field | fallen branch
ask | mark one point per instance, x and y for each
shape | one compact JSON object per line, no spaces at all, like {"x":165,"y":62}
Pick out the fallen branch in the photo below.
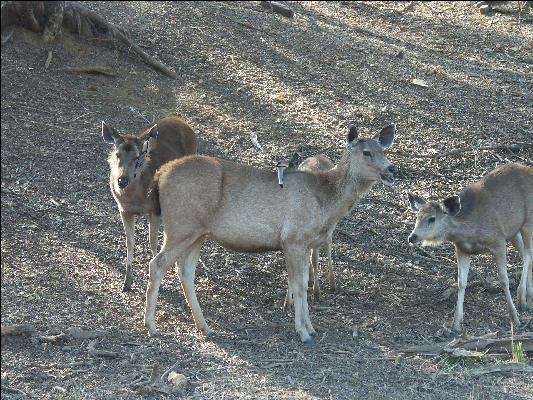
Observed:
{"x":487,"y":343}
{"x":100,"y":353}
{"x":14,"y":330}
{"x":514,"y":367}
{"x":90,"y":70}
{"x":515,"y":146}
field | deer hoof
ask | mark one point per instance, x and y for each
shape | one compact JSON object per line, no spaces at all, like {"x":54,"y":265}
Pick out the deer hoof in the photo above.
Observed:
{"x":455,"y":332}
{"x":155,"y":334}
{"x":313,"y":333}
{"x":309,"y":341}
{"x":523,"y":308}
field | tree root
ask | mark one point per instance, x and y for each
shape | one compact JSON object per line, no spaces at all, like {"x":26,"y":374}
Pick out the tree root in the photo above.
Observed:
{"x":51,"y":18}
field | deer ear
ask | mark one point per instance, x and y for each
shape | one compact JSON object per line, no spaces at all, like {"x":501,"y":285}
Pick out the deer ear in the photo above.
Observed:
{"x":352,"y":134}
{"x":153,"y":131}
{"x":452,"y":205}
{"x":415,"y":201}
{"x":110,"y":135}
{"x":386,"y":136}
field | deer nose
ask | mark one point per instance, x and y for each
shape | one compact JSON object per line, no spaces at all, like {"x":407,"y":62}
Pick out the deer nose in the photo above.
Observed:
{"x":412,"y":238}
{"x":392,"y":169}
{"x":123,"y":182}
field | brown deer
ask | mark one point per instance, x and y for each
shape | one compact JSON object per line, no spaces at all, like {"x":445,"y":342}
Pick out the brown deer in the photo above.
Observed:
{"x":133,"y":162}
{"x":484,"y":216}
{"x":243,"y":208}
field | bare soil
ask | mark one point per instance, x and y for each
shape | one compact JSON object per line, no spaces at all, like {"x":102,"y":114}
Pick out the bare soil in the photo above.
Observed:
{"x":297,"y":84}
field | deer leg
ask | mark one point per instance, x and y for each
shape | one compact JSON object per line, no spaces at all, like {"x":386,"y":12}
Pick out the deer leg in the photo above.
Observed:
{"x":155,"y":220}
{"x":525,"y":289}
{"x":159,"y":265}
{"x":186,"y":272}
{"x":305,"y":305}
{"x":288,"y":299}
{"x":331,"y":274}
{"x":298,"y":271}
{"x":128,"y":220}
{"x":313,"y":273}
{"x":463,"y":266}
{"x":500,"y":255}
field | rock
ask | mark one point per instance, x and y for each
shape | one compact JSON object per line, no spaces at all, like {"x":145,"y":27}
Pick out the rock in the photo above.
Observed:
{"x":484,"y":9}
{"x":420,"y":82}
{"x":179,"y":381}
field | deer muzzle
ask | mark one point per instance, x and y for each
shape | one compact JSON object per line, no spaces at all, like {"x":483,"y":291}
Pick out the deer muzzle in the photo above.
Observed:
{"x":387,"y":177}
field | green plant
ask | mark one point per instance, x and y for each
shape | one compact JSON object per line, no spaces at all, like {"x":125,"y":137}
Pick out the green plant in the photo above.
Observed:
{"x":516,"y":348}
{"x":518,"y":353}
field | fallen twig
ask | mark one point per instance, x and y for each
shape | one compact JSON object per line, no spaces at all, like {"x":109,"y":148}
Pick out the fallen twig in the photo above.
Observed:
{"x":48,"y":59}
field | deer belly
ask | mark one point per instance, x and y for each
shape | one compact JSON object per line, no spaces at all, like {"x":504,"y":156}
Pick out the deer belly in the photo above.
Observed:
{"x":245,"y":237}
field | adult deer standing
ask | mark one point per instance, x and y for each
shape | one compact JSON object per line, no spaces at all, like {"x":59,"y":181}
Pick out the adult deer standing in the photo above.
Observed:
{"x":244,"y":209}
{"x":133,"y":162}
{"x":484,"y":216}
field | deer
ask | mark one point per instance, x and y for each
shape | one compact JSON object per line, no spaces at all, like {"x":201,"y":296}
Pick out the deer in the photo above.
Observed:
{"x":133,"y":162}
{"x":243,"y":208}
{"x":482,"y":219}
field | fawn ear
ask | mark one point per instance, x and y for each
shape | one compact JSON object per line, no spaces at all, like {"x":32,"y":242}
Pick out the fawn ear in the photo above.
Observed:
{"x":110,"y":135}
{"x":386,"y":136}
{"x":452,"y":205}
{"x":415,"y":201}
{"x":352,"y":135}
{"x":151,"y":144}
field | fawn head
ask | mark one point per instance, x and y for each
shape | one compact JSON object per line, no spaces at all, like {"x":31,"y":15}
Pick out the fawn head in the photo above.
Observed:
{"x":432,"y":219}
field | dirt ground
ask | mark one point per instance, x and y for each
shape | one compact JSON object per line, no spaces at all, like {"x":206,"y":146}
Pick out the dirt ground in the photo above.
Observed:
{"x":297,"y":83}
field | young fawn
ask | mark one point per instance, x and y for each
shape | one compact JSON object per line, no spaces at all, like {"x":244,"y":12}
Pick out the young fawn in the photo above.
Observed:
{"x":133,"y":162}
{"x":484,"y":216}
{"x":243,"y":208}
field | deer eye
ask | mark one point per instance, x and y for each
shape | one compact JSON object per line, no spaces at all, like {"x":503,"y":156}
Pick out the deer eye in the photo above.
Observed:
{"x":367,"y":153}
{"x":431,"y":220}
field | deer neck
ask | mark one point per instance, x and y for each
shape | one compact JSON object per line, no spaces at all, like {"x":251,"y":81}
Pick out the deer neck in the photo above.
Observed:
{"x":349,"y":184}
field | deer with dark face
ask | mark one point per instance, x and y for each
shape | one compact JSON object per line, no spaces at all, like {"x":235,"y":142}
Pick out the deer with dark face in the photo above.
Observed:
{"x":488,"y":213}
{"x":133,"y":162}
{"x":243,"y":208}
